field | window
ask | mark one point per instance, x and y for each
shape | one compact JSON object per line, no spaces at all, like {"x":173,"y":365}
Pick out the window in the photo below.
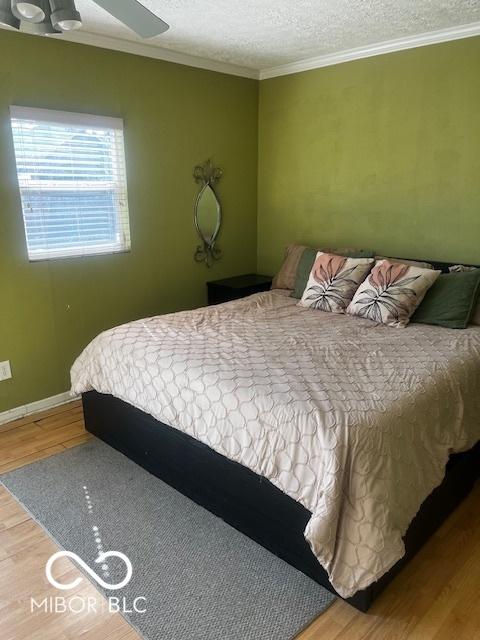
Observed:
{"x":73,"y":184}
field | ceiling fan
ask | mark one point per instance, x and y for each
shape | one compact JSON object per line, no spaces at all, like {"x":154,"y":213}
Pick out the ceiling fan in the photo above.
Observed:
{"x":58,"y":16}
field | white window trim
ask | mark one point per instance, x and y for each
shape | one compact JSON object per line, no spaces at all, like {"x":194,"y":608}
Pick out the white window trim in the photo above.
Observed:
{"x":93,"y":122}
{"x":68,"y":252}
{"x":65,"y":117}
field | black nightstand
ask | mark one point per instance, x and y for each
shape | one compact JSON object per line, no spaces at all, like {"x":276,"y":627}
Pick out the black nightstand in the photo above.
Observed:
{"x":237,"y":287}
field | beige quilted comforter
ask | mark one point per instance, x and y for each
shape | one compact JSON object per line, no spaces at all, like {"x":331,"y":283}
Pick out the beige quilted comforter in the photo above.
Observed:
{"x":353,"y":420}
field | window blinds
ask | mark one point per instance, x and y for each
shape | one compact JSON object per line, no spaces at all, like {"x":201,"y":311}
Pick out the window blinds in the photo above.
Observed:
{"x":73,"y":185}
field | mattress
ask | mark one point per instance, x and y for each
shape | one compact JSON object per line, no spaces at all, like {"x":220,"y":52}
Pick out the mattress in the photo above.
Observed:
{"x":354,"y":420}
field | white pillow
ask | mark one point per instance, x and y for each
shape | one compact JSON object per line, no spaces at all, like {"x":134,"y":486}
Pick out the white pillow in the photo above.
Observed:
{"x":392,"y":292}
{"x":333,"y":280}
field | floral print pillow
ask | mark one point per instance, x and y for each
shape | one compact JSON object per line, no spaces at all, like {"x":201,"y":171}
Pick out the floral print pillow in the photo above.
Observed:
{"x":333,"y":280}
{"x":391,"y":293}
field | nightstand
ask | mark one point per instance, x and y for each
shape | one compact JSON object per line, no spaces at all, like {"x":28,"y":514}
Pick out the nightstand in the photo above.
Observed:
{"x":237,"y":287}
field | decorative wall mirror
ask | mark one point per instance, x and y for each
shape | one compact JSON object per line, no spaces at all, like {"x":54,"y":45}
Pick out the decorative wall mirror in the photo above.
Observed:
{"x":207,"y":212}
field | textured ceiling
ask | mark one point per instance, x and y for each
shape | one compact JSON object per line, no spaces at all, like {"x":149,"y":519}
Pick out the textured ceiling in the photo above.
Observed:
{"x":266,"y":33}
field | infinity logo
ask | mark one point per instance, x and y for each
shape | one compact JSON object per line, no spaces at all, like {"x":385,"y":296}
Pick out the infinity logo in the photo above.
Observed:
{"x":101,"y":558}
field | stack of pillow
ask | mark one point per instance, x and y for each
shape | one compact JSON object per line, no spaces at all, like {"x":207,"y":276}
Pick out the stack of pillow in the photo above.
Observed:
{"x":385,"y":290}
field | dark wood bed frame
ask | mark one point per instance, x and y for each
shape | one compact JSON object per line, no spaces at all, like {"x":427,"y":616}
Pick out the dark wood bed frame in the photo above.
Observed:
{"x":249,"y":502}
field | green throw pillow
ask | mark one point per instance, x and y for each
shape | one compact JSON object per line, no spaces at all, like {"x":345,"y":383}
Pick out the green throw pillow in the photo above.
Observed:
{"x":307,"y":259}
{"x":450,"y":301}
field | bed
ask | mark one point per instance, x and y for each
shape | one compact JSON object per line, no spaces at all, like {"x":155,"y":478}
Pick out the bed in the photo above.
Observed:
{"x":338,"y":444}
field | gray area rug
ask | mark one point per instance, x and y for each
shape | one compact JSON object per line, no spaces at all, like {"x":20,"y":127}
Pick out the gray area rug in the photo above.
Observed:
{"x":201,"y":578}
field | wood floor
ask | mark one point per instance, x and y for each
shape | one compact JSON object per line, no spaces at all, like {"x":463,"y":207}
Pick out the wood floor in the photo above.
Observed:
{"x":436,"y":597}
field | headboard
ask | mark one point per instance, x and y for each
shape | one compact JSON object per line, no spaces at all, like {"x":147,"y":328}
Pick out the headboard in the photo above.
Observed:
{"x":440,"y":266}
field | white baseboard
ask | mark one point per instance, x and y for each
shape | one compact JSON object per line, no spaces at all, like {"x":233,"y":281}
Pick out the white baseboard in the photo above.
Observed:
{"x":34,"y":407}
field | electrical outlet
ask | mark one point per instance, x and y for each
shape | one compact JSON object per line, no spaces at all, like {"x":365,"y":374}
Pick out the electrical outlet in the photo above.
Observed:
{"x":5,"y":371}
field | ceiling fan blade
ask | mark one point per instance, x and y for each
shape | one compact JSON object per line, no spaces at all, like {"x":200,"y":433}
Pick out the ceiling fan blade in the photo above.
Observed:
{"x":136,"y":16}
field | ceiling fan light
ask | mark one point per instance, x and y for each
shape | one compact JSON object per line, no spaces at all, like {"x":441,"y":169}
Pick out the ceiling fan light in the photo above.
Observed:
{"x":7,"y":19}
{"x":65,"y":15}
{"x":69,"y":25}
{"x":43,"y":28}
{"x":30,"y":11}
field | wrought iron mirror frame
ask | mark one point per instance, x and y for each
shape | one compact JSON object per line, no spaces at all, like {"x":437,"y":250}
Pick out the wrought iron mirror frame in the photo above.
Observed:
{"x":207,"y":175}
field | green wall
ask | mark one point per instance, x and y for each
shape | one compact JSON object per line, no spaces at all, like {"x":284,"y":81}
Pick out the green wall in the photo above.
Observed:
{"x":380,"y":153}
{"x":175,"y":117}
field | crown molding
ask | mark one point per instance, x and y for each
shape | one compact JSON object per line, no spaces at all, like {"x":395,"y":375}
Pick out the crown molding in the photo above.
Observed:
{"x":158,"y":53}
{"x":380,"y":48}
